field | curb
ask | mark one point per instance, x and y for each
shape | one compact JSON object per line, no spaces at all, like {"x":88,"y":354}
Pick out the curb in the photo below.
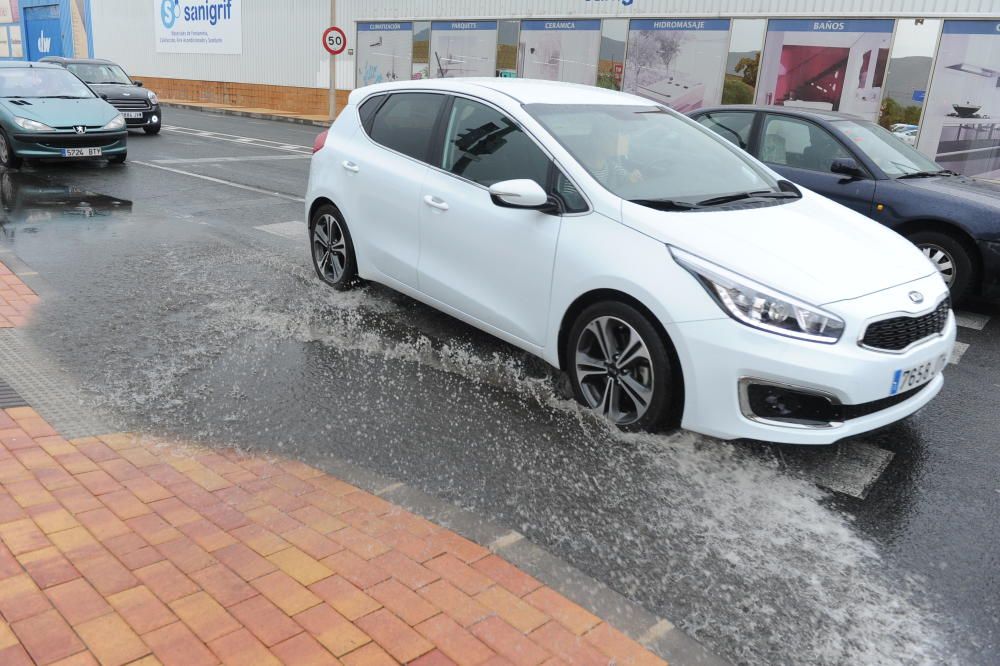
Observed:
{"x":245,"y":114}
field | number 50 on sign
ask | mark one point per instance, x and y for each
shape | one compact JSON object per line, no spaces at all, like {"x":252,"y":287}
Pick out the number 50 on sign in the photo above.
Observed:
{"x":334,"y":40}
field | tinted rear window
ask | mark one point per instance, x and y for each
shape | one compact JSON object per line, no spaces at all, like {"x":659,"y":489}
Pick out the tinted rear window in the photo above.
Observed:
{"x":405,"y":123}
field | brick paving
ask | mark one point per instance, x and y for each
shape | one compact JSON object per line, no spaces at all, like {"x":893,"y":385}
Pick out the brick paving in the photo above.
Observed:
{"x":127,"y":549}
{"x":16,"y":299}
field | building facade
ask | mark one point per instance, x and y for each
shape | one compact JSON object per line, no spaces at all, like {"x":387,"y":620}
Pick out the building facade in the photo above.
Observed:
{"x":928,"y":63}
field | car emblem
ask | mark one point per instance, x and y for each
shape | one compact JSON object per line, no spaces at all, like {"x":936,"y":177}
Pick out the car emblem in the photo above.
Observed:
{"x":916,"y":297}
{"x":79,"y":129}
{"x":127,"y":94}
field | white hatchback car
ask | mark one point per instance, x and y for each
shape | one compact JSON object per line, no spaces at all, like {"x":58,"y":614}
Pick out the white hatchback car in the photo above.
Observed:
{"x":676,"y":279}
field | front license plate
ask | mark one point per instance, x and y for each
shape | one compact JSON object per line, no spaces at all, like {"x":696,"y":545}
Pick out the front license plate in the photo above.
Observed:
{"x":81,"y":152}
{"x":906,"y":379}
{"x":132,"y":115}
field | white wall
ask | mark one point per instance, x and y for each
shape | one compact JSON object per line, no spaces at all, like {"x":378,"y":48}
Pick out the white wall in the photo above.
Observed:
{"x":281,"y":44}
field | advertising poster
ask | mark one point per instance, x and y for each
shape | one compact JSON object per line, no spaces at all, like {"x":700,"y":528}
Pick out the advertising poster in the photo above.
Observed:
{"x":4,"y":42}
{"x":7,"y":11}
{"x":560,"y":50}
{"x":385,"y":52}
{"x":677,"y":62}
{"x":961,"y":124}
{"x":828,"y":64}
{"x":463,"y":48}
{"x":193,"y":26}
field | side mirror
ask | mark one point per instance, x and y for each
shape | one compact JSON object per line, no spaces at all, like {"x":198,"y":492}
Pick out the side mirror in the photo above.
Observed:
{"x":847,"y":167}
{"x":520,"y":193}
{"x":137,"y":84}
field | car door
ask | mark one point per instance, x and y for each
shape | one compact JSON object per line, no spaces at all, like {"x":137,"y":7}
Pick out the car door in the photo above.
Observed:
{"x":386,"y":178}
{"x":489,"y":262}
{"x":802,"y":151}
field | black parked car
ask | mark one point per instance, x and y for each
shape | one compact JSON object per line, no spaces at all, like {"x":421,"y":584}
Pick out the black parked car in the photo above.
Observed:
{"x":139,"y":106}
{"x":954,"y":219}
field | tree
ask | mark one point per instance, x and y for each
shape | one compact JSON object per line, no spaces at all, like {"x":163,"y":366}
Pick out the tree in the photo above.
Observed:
{"x":748,"y":68}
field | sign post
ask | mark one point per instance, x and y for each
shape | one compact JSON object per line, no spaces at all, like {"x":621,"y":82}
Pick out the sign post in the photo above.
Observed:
{"x":334,"y":41}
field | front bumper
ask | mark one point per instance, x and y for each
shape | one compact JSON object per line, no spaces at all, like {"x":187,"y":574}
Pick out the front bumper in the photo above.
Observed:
{"x":49,"y":145}
{"x":990,"y":253}
{"x":719,"y":356}
{"x":149,"y":118}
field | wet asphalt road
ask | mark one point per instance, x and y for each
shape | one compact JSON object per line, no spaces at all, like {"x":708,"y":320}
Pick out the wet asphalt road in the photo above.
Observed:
{"x":186,"y":306}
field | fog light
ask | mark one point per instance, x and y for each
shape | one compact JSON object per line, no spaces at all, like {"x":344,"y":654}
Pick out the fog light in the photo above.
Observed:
{"x":785,"y":404}
{"x":154,"y":119}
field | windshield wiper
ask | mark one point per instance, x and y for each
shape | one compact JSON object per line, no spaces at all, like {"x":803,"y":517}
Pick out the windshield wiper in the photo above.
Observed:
{"x":927,"y":174}
{"x":729,"y":198}
{"x":665,"y":204}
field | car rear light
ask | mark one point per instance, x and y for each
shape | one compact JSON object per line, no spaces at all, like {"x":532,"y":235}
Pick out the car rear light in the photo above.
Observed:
{"x":320,"y":141}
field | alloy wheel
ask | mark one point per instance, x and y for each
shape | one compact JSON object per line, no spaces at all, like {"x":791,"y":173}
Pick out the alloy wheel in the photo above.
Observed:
{"x":4,"y":150}
{"x":942,"y":261}
{"x":329,"y":248}
{"x":614,"y":370}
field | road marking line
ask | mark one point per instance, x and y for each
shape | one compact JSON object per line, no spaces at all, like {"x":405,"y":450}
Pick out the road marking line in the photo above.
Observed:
{"x":971,"y":320}
{"x":295,"y":230}
{"x":236,"y":138}
{"x":504,"y":541}
{"x":958,"y":352}
{"x":253,"y":158}
{"x":220,"y":181}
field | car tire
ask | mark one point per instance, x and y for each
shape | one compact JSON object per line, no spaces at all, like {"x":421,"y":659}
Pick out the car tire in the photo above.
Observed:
{"x":155,"y":129}
{"x":332,"y":248}
{"x":636,"y":389}
{"x":118,"y":159}
{"x":8,"y":158}
{"x":950,"y":257}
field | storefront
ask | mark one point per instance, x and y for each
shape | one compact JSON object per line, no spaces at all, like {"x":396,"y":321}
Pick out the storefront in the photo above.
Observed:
{"x":34,"y":29}
{"x":875,"y":63}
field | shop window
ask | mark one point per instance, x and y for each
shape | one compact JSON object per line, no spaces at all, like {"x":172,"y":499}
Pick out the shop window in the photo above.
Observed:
{"x":743,"y":61}
{"x":463,"y":48}
{"x":508,"y":33}
{"x":611,"y":62}
{"x":421,"y":50}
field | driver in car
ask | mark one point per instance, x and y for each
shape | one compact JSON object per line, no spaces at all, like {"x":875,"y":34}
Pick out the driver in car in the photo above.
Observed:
{"x":603,"y":157}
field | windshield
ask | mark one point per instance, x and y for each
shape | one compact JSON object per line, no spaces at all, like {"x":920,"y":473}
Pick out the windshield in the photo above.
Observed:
{"x":37,"y":82}
{"x":889,"y":152}
{"x":99,"y":73}
{"x":644,"y":153}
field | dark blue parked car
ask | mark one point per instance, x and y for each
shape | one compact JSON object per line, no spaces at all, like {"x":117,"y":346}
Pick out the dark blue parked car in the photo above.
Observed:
{"x":954,"y":219}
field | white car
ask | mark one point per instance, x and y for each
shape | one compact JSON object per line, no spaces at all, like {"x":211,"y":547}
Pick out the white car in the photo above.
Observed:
{"x":675,"y":278}
{"x":908,"y":136}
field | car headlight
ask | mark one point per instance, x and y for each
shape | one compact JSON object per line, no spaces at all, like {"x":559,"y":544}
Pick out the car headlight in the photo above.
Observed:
{"x":28,"y":124}
{"x":153,"y":99}
{"x":755,"y":305}
{"x":118,"y":122}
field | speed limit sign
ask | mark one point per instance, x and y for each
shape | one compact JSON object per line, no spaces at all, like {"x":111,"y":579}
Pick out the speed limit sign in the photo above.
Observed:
{"x":334,"y":40}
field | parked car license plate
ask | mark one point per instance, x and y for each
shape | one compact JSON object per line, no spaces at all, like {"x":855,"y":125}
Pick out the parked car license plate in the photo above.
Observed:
{"x":132,"y":115}
{"x":910,"y":378}
{"x":81,"y":152}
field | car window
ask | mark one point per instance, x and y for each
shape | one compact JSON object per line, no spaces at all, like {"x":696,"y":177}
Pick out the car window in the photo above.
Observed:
{"x":367,"y":111}
{"x":39,"y":82}
{"x":486,"y":147}
{"x":100,"y":73}
{"x":405,"y":123}
{"x":733,"y":126}
{"x":799,"y":143}
{"x":890,"y":153}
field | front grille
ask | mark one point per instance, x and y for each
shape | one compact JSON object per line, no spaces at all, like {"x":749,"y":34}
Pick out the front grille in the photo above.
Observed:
{"x":898,"y":333}
{"x":130,"y":104}
{"x":81,"y":141}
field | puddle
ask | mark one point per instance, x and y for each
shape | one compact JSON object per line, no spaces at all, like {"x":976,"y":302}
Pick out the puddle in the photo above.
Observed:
{"x":27,"y":197}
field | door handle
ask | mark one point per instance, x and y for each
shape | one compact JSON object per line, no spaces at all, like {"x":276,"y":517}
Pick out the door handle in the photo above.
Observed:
{"x":351,"y":166}
{"x":434,"y":202}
